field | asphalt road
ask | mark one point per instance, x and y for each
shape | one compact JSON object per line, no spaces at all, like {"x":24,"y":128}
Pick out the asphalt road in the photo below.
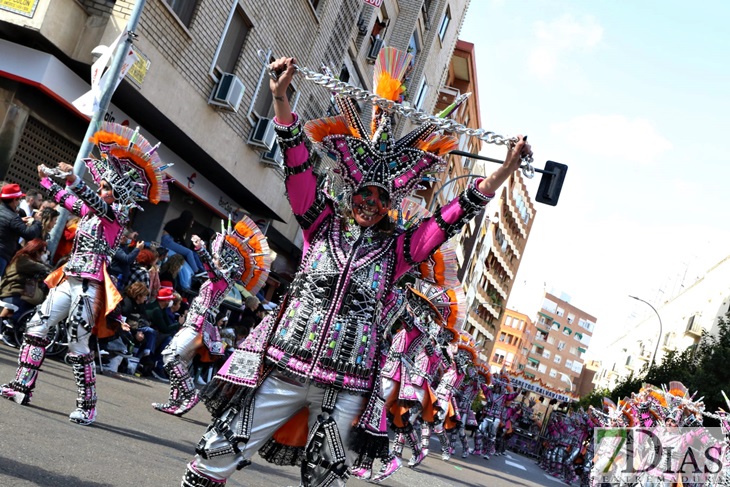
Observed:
{"x":132,"y":445}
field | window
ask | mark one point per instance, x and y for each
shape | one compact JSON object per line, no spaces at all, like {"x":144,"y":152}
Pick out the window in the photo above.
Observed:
{"x":445,"y":21}
{"x":567,"y":331}
{"x":184,"y":9}
{"x":542,"y":368}
{"x":571,"y":318}
{"x":561,"y":345}
{"x":263,"y":106}
{"x":414,"y":46}
{"x":551,"y":340}
{"x":546,"y":354}
{"x":557,"y":359}
{"x":573,"y":350}
{"x":560,"y":312}
{"x":569,"y":364}
{"x":315,"y":4}
{"x":229,"y":49}
{"x":553,"y":373}
{"x":421,"y":96}
{"x":502,"y":336}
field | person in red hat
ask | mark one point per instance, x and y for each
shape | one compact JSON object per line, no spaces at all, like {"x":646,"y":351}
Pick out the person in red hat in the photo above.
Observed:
{"x":12,"y":226}
{"x":160,"y":320}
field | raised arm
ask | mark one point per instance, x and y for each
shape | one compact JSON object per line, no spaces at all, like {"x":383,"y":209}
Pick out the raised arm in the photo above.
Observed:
{"x":308,"y":204}
{"x":422,"y":240}
{"x":76,"y":197}
{"x":205,"y":258}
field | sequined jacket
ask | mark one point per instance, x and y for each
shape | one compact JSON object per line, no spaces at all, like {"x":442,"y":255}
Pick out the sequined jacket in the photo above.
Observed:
{"x":328,"y":327}
{"x":204,"y":308}
{"x":98,"y":233}
{"x":449,"y":384}
{"x":426,"y":366}
{"x":497,"y":402}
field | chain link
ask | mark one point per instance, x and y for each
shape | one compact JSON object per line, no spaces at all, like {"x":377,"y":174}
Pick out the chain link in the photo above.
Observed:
{"x":407,"y":111}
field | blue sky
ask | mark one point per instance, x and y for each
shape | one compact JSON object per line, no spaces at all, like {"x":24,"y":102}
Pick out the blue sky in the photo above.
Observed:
{"x":634,"y":97}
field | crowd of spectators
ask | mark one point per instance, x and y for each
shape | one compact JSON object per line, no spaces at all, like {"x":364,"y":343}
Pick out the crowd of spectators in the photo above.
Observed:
{"x":157,"y":283}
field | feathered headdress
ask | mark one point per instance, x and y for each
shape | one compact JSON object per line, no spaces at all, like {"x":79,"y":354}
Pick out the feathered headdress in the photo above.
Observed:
{"x":244,"y":252}
{"x":485,"y":373}
{"x":130,"y":164}
{"x":397,"y":166}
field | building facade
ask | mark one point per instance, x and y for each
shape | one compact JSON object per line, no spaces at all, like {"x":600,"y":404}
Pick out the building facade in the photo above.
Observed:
{"x":563,"y":335}
{"x":677,"y":325}
{"x":510,"y":349}
{"x":200,"y":89}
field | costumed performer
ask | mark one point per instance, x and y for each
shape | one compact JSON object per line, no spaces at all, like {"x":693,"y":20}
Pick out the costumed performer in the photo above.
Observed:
{"x":127,"y":171}
{"x":240,"y":254}
{"x":319,"y":354}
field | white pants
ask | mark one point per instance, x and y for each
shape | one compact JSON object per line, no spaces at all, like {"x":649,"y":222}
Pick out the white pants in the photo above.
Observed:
{"x":183,"y":345}
{"x":276,"y":401}
{"x":61,"y":303}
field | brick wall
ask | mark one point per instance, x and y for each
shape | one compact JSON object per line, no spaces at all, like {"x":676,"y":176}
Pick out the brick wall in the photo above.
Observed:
{"x":100,"y":8}
{"x":287,"y":28}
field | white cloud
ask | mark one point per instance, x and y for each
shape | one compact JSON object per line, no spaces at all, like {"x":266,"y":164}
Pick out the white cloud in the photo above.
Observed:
{"x":614,"y":137}
{"x":555,"y":39}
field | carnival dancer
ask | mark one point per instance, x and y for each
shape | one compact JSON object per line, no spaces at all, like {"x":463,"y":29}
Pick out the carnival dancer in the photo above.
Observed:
{"x":510,"y":415}
{"x":449,"y":303}
{"x":82,"y":293}
{"x":318,"y":355}
{"x":498,"y":397}
{"x":238,"y":254}
{"x":406,"y":398}
{"x":484,"y":377}
{"x":464,"y":392}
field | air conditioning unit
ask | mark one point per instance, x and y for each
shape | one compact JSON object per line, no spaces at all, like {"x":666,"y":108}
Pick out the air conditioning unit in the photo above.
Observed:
{"x":375,"y":48}
{"x":263,"y":134}
{"x":228,"y":93}
{"x":274,"y":157}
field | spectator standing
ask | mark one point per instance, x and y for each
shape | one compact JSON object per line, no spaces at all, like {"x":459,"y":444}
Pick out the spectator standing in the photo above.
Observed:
{"x":31,"y":202}
{"x":12,"y":226}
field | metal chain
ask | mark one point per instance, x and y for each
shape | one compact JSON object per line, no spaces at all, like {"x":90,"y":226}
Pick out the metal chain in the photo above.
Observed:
{"x":419,"y":117}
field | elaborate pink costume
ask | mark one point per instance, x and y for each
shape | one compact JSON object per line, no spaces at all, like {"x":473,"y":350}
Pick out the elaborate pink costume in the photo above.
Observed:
{"x":242,"y":254}
{"x":131,"y":168}
{"x":321,"y":351}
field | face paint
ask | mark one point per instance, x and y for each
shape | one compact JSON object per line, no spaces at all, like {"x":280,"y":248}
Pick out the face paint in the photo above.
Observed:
{"x":106,"y":192}
{"x":369,"y":205}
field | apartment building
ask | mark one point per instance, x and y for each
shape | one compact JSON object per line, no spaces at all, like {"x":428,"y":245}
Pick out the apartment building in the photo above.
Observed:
{"x":515,"y":336}
{"x":563,"y":335}
{"x":200,"y":88}
{"x":677,"y":325}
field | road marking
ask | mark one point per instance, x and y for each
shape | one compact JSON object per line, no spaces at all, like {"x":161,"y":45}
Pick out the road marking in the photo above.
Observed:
{"x":516,"y":465}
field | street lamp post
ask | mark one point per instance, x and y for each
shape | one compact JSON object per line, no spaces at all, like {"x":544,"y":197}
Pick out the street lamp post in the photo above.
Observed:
{"x":656,"y":348}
